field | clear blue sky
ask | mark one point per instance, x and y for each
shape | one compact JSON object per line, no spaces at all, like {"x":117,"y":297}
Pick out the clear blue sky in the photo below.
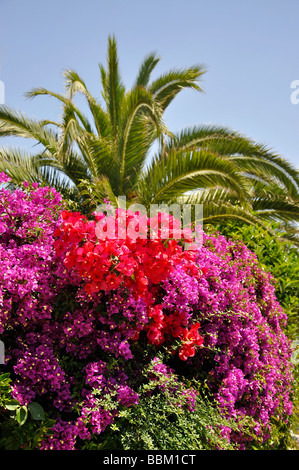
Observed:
{"x":250,"y":49}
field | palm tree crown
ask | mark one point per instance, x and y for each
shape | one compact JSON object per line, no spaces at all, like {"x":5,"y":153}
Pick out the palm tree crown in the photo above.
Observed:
{"x":106,"y":154}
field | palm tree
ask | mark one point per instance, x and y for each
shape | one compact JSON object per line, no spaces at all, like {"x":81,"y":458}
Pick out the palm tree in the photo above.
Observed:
{"x":109,"y":152}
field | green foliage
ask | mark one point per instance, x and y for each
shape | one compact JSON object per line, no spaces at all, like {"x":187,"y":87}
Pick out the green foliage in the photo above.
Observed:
{"x":5,"y":390}
{"x":21,"y":427}
{"x":163,"y":419}
{"x":157,"y":423}
{"x":278,"y":257}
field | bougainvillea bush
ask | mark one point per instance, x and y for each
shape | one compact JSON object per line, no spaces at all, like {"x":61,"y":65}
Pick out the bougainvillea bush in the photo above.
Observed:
{"x":101,"y":330}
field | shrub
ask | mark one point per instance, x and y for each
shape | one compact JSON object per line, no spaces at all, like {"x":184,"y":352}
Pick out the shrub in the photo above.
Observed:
{"x":280,"y":258}
{"x":277,"y":256}
{"x":83,"y":318}
{"x":168,"y":416}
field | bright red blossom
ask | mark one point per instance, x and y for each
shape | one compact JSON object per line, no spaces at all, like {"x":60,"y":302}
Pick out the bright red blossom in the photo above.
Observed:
{"x":190,"y":339}
{"x":130,"y":250}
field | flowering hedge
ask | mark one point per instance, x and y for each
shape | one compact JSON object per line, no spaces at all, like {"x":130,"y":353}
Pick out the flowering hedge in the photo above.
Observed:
{"x":82,"y":316}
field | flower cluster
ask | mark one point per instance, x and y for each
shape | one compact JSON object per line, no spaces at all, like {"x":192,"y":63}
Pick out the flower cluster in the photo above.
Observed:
{"x":108,"y":258}
{"x":28,"y":221}
{"x":83,"y":314}
{"x":126,"y":259}
{"x":250,"y":373}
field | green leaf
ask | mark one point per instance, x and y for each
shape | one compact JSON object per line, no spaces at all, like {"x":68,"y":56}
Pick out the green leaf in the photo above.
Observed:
{"x":12,"y":405}
{"x":36,"y":411}
{"x":21,"y":415}
{"x":4,"y":376}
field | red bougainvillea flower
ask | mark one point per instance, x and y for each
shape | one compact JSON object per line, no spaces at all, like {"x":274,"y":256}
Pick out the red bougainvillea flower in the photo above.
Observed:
{"x":190,"y":339}
{"x":105,"y":258}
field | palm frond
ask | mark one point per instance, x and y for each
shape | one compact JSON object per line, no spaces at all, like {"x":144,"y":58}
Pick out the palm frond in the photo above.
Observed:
{"x":14,"y":123}
{"x":265,"y":170}
{"x":252,"y":158}
{"x":138,"y":109}
{"x":114,"y":89}
{"x":145,"y":70}
{"x":75,"y":84}
{"x":168,"y":178}
{"x":66,"y":101}
{"x":219,"y":206}
{"x":196,"y":137}
{"x":99,"y":157}
{"x":167,"y":86}
{"x":19,"y":165}
{"x":278,"y":208}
